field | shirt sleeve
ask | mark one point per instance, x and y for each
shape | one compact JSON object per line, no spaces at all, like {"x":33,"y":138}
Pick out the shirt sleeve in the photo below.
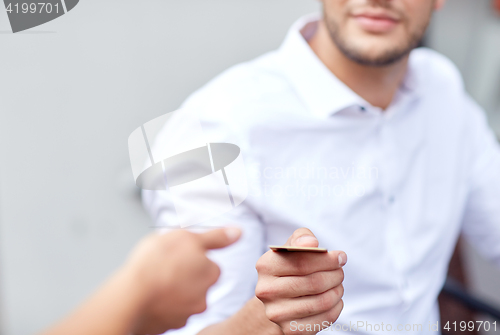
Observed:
{"x":236,"y":284}
{"x":481,"y":225}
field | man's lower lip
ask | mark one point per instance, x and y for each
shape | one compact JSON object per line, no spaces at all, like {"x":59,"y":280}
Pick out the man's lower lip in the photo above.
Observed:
{"x":375,"y":25}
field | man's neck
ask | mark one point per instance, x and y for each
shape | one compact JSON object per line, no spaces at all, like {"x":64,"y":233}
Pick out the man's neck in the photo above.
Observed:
{"x":377,"y":85}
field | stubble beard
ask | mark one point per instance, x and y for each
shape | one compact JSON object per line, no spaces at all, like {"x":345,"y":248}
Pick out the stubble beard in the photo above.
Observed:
{"x":386,"y":58}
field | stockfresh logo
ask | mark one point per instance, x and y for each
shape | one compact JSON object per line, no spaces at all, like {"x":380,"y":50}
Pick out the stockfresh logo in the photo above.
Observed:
{"x":203,"y":180}
{"x":26,"y":14}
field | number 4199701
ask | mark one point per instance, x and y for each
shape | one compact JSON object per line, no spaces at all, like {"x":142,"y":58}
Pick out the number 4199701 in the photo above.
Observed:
{"x":33,"y":8}
{"x":470,"y":326}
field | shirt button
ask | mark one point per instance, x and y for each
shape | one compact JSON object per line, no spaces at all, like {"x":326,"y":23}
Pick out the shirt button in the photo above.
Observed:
{"x":392,"y":199}
{"x":362,"y":108}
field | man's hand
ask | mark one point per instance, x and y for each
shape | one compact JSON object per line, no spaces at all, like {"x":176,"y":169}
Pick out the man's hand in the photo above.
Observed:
{"x":175,"y":275}
{"x":301,"y":288}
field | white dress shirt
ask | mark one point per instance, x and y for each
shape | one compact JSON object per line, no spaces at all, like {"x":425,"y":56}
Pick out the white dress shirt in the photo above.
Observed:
{"x":393,"y":189}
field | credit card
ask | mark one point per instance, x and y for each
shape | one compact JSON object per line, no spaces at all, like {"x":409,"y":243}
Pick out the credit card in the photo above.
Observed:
{"x":302,"y":249}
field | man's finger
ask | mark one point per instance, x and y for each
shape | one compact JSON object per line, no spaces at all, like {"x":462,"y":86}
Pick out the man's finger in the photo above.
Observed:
{"x":302,"y":237}
{"x":326,"y":318}
{"x":220,"y":238}
{"x":300,"y":286}
{"x":303,"y":307}
{"x":280,"y":264}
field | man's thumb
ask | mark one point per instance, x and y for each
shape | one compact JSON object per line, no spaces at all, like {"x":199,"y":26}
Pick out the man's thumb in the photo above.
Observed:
{"x":220,"y":238}
{"x":302,"y":237}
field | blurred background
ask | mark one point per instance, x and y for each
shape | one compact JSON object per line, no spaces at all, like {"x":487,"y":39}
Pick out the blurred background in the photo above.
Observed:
{"x":71,"y":92}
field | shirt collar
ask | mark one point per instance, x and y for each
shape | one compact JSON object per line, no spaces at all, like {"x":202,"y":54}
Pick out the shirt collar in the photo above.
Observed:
{"x":322,"y":92}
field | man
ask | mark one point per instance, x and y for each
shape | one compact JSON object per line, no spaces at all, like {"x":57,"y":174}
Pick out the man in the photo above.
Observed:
{"x":372,"y":145}
{"x":163,"y":283}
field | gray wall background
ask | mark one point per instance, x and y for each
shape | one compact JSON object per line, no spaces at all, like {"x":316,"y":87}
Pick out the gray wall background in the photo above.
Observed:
{"x":72,"y":90}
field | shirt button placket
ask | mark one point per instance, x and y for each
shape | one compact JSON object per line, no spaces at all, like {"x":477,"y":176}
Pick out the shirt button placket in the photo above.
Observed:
{"x":394,"y":230}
